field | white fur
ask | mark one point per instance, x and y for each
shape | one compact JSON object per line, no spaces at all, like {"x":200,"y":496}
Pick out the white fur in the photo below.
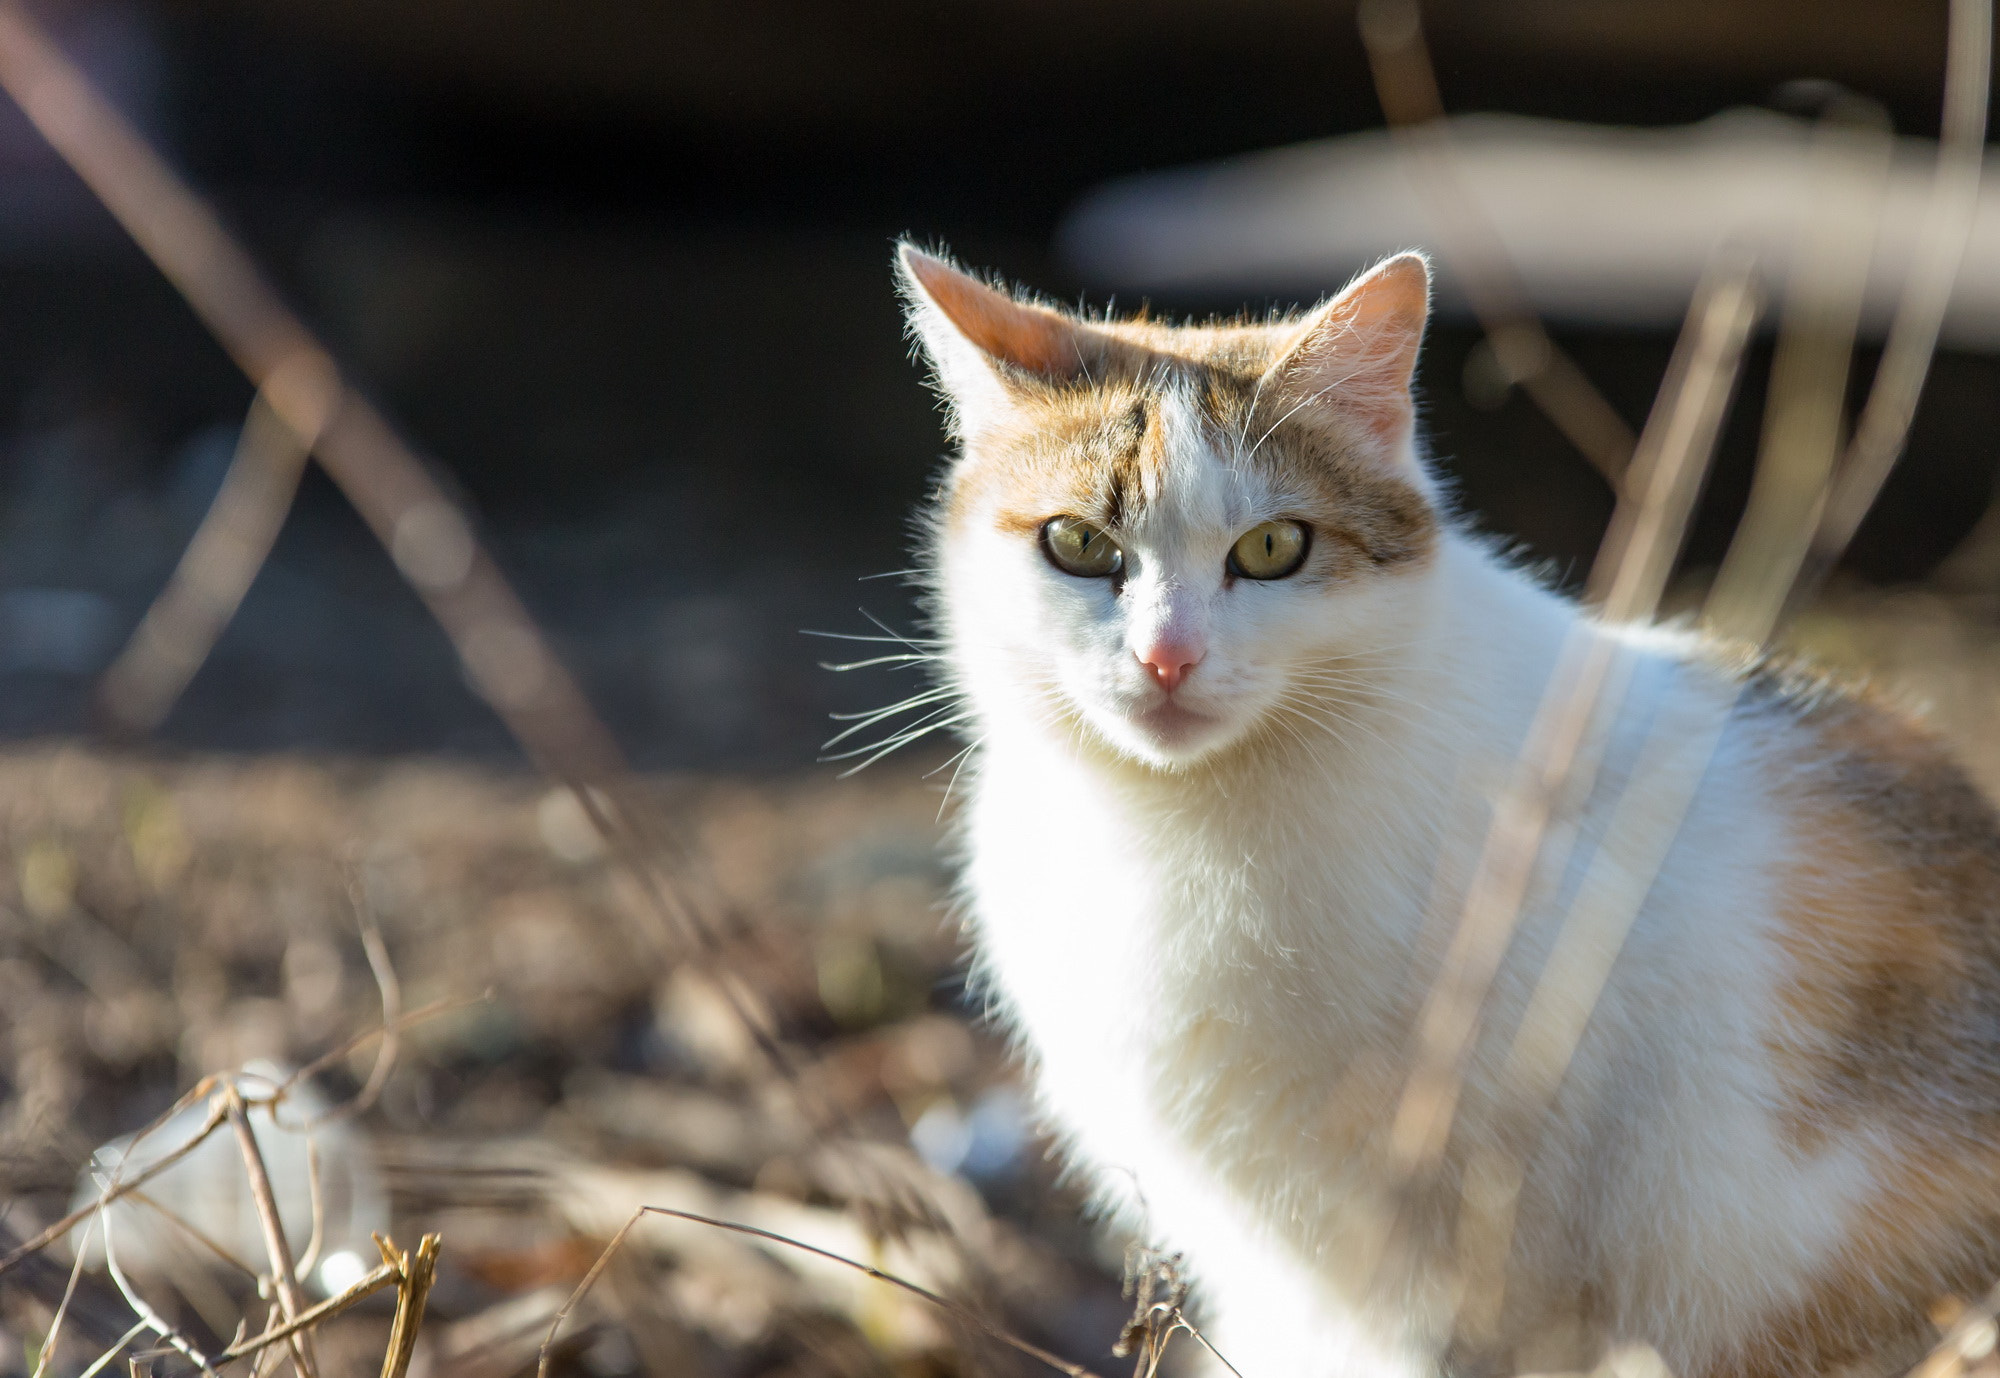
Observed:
{"x":1197,"y":936}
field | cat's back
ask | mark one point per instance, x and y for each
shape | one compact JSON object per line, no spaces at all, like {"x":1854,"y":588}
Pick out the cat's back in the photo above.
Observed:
{"x":1888,"y":913}
{"x":1881,"y":1023}
{"x":1887,"y":907}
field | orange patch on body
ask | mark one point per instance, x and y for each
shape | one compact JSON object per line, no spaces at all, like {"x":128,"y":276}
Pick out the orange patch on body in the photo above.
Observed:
{"x":1887,"y":1029}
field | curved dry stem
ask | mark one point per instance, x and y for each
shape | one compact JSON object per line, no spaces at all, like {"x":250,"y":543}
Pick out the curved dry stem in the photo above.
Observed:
{"x":390,"y":988}
{"x":103,"y":1361}
{"x":1406,"y":85}
{"x":144,"y":1310}
{"x":62,"y":1310}
{"x":1884,"y":426}
{"x":361,"y":1040}
{"x":284,"y":1273}
{"x":194,"y":1232}
{"x":215,"y":572}
{"x":958,"y":1312}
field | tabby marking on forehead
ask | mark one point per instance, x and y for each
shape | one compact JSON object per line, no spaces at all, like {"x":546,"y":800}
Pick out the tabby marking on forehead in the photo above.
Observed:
{"x":1100,"y":450}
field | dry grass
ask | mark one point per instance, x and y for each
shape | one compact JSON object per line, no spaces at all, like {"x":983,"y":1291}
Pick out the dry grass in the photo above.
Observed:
{"x":167,"y":920}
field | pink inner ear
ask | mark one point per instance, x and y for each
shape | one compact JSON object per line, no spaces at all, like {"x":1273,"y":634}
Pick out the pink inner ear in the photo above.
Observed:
{"x":1029,"y":337}
{"x":1360,"y":350}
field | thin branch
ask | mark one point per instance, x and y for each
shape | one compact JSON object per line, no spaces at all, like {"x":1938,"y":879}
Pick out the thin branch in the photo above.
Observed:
{"x":362,"y":1040}
{"x":194,"y":1231}
{"x":1406,"y":84}
{"x":1801,"y":440}
{"x":316,"y":1202}
{"x":385,"y":1276}
{"x":215,"y":572}
{"x":155,"y":1322}
{"x":105,"y":1359}
{"x":1913,"y":336}
{"x":963,"y":1314}
{"x":1678,"y":445}
{"x":1180,"y":1319}
{"x":390,"y":987}
{"x":284,"y":1274}
{"x":412,"y":1292}
{"x":61,"y":1313}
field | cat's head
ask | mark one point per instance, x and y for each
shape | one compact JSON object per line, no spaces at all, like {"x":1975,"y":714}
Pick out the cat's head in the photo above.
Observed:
{"x":1166,"y":538}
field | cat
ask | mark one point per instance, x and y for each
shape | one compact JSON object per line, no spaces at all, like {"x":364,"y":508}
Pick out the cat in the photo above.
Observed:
{"x":1240,"y":691}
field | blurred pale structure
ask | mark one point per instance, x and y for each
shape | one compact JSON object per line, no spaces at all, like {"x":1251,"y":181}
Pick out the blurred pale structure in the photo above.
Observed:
{"x":210,"y":1190}
{"x":1603,"y":225}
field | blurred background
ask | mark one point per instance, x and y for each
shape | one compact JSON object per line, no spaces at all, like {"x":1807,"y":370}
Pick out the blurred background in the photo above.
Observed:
{"x":620,"y":269}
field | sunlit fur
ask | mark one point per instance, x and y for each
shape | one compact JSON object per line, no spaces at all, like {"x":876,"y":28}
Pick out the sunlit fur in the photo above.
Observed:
{"x":1210,"y":918}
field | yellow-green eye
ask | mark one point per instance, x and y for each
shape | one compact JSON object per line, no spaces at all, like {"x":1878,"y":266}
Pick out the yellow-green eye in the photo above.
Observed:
{"x":1270,"y":550}
{"x":1076,"y":547}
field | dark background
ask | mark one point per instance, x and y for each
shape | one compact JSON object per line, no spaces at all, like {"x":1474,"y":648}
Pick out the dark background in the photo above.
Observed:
{"x":621,"y":268}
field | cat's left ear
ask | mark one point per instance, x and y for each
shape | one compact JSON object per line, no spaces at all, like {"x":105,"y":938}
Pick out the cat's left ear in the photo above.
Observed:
{"x":1356,"y":354}
{"x":986,"y":346}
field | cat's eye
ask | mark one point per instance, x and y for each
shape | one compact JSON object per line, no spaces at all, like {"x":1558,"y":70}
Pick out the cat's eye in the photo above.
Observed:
{"x":1269,"y":550}
{"x":1075,"y":546}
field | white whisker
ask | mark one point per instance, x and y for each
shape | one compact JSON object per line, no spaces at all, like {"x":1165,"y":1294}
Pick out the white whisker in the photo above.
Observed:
{"x":906,"y":659}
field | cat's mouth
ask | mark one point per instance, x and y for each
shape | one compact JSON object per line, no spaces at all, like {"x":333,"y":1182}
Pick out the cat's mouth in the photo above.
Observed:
{"x":1172,"y":723}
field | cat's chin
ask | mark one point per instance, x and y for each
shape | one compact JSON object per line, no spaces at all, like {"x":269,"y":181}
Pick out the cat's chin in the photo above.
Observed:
{"x":1169,"y":734}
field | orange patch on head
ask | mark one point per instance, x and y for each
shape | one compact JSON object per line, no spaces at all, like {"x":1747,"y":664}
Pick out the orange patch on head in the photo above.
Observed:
{"x":1097,"y":449}
{"x":1068,"y":417}
{"x":1084,"y":453}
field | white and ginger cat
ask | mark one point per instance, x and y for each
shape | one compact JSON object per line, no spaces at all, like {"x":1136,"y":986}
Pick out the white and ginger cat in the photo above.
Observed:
{"x":1232,"y":670}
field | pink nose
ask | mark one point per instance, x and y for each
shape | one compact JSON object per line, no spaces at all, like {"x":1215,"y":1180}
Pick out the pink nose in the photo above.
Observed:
{"x":1170,"y":663}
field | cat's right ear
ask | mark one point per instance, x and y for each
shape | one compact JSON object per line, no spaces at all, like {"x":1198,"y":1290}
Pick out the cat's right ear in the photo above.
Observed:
{"x":984,"y":346}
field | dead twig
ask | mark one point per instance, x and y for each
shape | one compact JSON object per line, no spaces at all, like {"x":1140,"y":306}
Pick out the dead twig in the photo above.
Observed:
{"x":141,"y":1308}
{"x":284,"y":1276}
{"x":316,"y":1202}
{"x":215,"y":572}
{"x":963,"y":1314}
{"x":416,"y":1273}
{"x":104,"y":1360}
{"x":1802,"y":419}
{"x":385,"y":1276}
{"x":362,"y":1040}
{"x":62,"y":1312}
{"x":193,"y":1231}
{"x":1406,"y":85}
{"x":1913,"y":335}
{"x":390,"y":987}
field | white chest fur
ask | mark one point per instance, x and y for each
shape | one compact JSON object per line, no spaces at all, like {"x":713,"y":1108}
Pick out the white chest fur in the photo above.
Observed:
{"x":1200,"y":970}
